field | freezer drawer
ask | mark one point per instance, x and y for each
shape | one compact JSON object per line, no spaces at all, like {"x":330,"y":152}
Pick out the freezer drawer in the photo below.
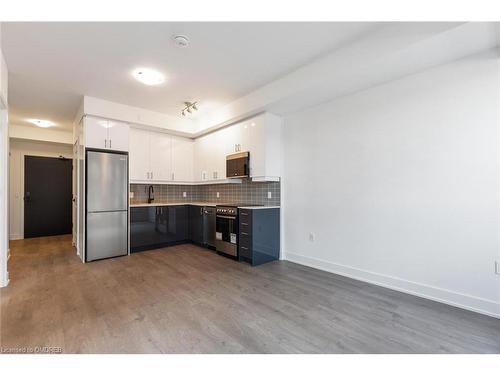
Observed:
{"x":107,"y":181}
{"x":107,"y":235}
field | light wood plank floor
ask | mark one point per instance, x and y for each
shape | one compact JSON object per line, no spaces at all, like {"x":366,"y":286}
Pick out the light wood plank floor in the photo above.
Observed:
{"x":186,"y":299}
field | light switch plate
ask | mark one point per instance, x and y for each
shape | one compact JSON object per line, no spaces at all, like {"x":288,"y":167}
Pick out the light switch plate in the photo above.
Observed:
{"x":269,"y":195}
{"x":184,"y":194}
{"x":218,"y":195}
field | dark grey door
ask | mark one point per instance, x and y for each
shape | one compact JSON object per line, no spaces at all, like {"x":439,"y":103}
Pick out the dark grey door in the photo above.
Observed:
{"x":47,"y":196}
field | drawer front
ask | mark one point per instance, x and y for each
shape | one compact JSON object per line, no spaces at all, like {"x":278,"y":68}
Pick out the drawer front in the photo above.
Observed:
{"x":245,"y":240}
{"x":245,"y":216}
{"x":245,"y":251}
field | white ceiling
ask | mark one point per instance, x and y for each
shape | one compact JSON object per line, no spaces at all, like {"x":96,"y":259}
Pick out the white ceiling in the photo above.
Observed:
{"x":52,"y":65}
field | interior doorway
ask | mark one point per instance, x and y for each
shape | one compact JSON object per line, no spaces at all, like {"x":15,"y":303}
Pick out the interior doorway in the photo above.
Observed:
{"x":47,"y":196}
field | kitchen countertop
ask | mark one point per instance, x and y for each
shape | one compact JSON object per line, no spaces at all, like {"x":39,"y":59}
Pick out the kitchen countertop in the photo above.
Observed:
{"x":172,"y":204}
{"x":257,"y":207}
{"x":210,"y":204}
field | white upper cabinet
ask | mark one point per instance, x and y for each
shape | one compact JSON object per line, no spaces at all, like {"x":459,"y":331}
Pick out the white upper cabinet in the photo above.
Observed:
{"x":159,"y":157}
{"x":263,"y":141}
{"x":261,"y":137}
{"x":201,"y":158}
{"x":182,"y":159}
{"x":150,"y":156}
{"x":96,"y":132}
{"x":106,"y":134}
{"x":139,"y":155}
{"x":118,"y":134}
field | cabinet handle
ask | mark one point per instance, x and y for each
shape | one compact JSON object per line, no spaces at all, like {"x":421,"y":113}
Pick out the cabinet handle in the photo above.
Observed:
{"x":244,"y":233}
{"x":243,"y":223}
{"x":243,"y":247}
{"x":151,"y":175}
{"x":105,"y":143}
{"x":110,"y":143}
{"x":172,"y":176}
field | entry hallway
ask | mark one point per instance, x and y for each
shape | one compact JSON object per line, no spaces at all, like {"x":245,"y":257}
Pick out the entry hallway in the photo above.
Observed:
{"x":188,"y":300}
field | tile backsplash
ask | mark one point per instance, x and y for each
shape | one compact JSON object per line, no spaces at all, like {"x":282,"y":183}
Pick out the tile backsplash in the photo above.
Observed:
{"x":246,"y":192}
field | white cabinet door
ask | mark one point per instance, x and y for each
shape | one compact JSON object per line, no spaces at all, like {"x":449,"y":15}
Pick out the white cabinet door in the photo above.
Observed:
{"x":160,"y":156}
{"x":255,"y":143}
{"x":139,"y":151}
{"x":231,"y":137}
{"x":217,"y":157}
{"x":201,"y":162}
{"x":96,"y":133}
{"x":182,"y":159}
{"x":118,"y":133}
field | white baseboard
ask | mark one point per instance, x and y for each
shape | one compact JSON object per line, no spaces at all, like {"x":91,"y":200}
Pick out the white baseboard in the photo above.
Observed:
{"x":15,"y":237}
{"x":464,"y":301}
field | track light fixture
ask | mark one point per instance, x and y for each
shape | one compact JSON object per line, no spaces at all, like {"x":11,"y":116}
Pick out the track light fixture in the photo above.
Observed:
{"x":190,"y":107}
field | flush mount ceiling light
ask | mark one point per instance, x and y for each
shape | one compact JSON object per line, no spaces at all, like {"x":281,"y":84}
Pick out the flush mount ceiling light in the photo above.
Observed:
{"x":181,"y":41}
{"x":148,"y":76}
{"x":41,"y":123}
{"x":190,"y":107}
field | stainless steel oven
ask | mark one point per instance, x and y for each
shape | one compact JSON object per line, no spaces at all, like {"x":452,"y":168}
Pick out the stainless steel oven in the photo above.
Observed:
{"x":226,"y":230}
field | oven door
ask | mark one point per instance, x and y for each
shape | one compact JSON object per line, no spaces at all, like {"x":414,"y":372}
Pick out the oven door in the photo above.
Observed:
{"x":226,"y":234}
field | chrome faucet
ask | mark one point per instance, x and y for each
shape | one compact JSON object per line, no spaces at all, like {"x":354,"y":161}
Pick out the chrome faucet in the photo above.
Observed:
{"x":151,"y":194}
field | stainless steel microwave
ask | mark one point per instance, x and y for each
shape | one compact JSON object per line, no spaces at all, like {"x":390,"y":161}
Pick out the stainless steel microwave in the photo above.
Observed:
{"x":238,"y":165}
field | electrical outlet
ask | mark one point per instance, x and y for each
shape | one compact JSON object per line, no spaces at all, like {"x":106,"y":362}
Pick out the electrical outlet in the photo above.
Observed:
{"x":218,"y":195}
{"x":269,"y":195}
{"x":311,"y":237}
{"x":184,"y":194}
{"x":497,"y":267}
{"x":131,"y":194}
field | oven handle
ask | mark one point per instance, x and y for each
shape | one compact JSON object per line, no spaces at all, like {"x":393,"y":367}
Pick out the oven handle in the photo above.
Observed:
{"x":226,"y":217}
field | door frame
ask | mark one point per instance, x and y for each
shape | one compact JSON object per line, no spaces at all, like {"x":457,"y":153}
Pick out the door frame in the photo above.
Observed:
{"x":4,"y":194}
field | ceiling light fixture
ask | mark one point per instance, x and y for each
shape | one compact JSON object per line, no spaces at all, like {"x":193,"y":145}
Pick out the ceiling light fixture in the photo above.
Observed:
{"x":41,"y":123}
{"x":190,"y":107}
{"x":148,"y":76}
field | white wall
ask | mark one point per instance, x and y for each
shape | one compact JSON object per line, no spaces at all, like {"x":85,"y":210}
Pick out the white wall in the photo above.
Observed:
{"x":399,"y":184}
{"x":39,"y":134}
{"x":18,"y":149}
{"x":4,"y":148}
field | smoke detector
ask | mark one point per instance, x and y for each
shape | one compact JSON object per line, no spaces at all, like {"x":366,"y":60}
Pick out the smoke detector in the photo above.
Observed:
{"x":181,"y":41}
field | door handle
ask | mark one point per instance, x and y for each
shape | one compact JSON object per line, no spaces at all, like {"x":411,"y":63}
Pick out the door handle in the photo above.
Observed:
{"x":27,"y":197}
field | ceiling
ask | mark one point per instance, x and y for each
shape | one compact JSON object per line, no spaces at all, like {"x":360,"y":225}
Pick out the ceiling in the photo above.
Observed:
{"x":52,"y":65}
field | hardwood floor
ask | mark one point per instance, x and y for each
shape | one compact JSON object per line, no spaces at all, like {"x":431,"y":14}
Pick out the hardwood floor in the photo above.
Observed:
{"x":186,"y":299}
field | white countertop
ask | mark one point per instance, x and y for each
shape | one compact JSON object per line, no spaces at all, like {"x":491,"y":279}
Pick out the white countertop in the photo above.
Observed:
{"x":210,"y":204}
{"x":153,"y":204}
{"x":257,"y":207}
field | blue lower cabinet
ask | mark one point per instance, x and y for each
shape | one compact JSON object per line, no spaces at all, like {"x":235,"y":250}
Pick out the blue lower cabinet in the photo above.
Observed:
{"x":157,"y":226}
{"x":259,"y":235}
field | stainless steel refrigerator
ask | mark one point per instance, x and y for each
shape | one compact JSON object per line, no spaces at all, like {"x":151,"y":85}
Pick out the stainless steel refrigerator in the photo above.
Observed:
{"x":107,"y":205}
